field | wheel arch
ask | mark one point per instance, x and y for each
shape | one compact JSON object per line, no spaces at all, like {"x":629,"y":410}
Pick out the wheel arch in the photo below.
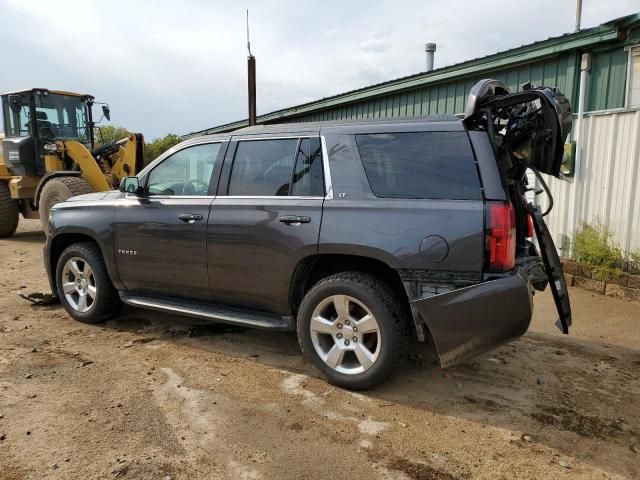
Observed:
{"x":310,"y":270}
{"x":65,"y":239}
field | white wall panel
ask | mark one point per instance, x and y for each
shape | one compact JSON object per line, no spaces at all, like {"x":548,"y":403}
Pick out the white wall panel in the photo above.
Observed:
{"x":608,"y":185}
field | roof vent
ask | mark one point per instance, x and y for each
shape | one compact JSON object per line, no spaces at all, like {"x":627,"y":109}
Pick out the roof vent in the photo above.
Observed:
{"x":430,"y":48}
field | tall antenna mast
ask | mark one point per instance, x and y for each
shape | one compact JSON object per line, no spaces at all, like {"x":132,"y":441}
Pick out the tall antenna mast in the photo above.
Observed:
{"x":248,"y":38}
{"x":578,"y":14}
{"x":251,"y":78}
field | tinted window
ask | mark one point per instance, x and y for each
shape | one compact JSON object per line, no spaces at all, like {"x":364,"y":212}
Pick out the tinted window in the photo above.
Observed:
{"x":420,"y":165}
{"x":187,"y":172}
{"x":263,"y":167}
{"x":307,"y":179}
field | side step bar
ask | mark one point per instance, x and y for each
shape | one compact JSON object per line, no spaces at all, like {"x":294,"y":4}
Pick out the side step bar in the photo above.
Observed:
{"x":211,"y":312}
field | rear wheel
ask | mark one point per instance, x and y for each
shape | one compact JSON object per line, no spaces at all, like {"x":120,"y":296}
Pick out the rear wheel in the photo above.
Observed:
{"x":352,"y":327}
{"x":83,"y":284}
{"x":9,"y":210}
{"x":58,"y":190}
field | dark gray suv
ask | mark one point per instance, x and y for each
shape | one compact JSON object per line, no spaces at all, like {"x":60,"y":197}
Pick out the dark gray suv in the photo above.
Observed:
{"x":361,"y":236}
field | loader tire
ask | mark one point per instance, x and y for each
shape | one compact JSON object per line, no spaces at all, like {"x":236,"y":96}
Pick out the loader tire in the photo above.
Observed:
{"x":9,"y":210}
{"x":58,"y":190}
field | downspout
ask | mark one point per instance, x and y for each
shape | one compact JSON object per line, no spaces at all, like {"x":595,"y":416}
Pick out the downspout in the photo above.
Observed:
{"x":585,"y":66}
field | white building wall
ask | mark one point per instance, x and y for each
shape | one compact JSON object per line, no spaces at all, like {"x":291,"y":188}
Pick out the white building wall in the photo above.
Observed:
{"x":608,"y":184}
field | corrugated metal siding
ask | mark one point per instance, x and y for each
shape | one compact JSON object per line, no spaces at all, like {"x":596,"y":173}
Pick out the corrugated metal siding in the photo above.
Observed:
{"x":607,"y":80}
{"x":606,"y":89}
{"x":451,"y":97}
{"x":608,"y":188}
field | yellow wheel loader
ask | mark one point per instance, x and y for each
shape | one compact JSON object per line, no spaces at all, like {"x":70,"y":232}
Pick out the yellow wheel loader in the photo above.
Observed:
{"x":49,"y":153}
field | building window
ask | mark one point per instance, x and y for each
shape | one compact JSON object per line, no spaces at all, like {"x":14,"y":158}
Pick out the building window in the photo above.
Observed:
{"x":634,"y":78}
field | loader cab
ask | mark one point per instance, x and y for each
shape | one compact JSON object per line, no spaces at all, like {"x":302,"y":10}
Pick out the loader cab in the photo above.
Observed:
{"x":37,"y":117}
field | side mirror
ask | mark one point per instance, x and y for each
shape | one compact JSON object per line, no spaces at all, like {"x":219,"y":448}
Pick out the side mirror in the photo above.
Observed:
{"x":130,"y":185}
{"x":106,"y":112}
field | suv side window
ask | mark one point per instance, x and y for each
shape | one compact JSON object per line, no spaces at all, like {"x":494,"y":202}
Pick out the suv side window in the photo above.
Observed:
{"x":438,"y":165}
{"x":307,"y":179}
{"x":185,"y":173}
{"x":278,"y":167}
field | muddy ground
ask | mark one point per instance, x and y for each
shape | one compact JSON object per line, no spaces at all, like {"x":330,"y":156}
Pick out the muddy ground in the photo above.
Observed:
{"x":156,"y":396}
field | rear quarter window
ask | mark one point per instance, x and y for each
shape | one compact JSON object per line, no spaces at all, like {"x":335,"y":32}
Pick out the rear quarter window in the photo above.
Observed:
{"x":436,"y":165}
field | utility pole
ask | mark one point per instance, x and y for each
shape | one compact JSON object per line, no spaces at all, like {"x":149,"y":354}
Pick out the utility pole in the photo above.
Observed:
{"x":251,"y":80}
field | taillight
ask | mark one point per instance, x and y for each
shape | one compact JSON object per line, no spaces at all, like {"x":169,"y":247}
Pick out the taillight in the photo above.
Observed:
{"x":501,"y":237}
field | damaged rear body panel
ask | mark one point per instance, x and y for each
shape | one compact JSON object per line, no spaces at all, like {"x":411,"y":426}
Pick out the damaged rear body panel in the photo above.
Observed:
{"x":516,"y":132}
{"x":472,"y":320}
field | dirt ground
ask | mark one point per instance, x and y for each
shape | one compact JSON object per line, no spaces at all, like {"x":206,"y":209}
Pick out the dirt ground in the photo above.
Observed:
{"x":157,"y":396}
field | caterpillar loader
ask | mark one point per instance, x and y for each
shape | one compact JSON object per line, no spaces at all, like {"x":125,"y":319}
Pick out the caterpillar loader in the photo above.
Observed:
{"x":49,"y":153}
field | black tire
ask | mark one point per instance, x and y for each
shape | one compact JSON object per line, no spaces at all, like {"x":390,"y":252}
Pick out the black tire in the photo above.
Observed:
{"x":9,"y":210}
{"x":383,"y":304}
{"x":107,"y":302}
{"x":58,"y":190}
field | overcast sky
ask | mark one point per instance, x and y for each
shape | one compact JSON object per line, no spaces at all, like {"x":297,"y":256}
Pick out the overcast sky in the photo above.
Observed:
{"x":180,"y":66}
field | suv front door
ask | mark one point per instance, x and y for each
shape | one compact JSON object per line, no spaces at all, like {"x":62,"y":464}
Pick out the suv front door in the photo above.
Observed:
{"x":160,"y":235}
{"x":265,"y":219}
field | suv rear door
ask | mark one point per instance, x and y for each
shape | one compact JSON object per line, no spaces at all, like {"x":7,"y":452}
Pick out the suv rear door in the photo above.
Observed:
{"x":265,"y":219}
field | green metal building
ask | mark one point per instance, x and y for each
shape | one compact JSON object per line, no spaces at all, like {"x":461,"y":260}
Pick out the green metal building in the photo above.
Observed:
{"x":552,"y":62}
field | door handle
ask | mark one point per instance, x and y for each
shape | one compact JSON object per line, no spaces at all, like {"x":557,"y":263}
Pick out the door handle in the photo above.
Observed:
{"x":294,"y":219}
{"x":190,"y":217}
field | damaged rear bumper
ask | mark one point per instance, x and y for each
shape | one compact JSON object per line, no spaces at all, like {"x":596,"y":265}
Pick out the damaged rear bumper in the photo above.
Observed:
{"x":472,"y":320}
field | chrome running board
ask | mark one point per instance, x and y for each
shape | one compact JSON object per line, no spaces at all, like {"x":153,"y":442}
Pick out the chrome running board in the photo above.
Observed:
{"x":211,"y":312}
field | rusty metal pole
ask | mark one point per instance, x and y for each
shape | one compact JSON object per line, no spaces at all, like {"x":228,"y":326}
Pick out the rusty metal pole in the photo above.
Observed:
{"x":251,"y":78}
{"x":251,"y":82}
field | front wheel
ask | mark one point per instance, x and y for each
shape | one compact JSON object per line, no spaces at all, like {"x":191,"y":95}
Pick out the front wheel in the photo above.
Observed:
{"x":354,"y":329}
{"x":83,"y":284}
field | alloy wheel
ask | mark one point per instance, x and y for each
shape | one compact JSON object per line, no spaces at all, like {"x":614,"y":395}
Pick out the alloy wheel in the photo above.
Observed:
{"x":345,"y":334}
{"x":79,"y":284}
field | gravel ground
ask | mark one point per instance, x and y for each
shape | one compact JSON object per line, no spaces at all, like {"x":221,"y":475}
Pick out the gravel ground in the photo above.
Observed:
{"x":157,"y":396}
